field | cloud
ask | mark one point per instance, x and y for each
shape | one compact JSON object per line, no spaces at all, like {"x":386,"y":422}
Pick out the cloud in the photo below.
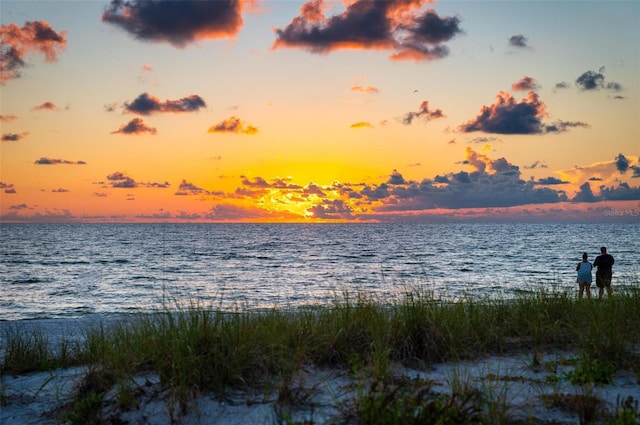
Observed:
{"x":179,"y":23}
{"x":364,"y":89}
{"x":52,"y":161}
{"x":519,"y":41}
{"x":562,"y":126}
{"x":361,"y":124}
{"x":331,"y":209}
{"x":508,"y":116}
{"x":423,"y":113}
{"x":146,"y":104}
{"x":535,"y":165}
{"x":20,"y":207}
{"x":623,"y":192}
{"x":489,"y":183}
{"x":233,"y":125}
{"x":8,"y":118}
{"x":136,"y":126}
{"x":562,"y":85}
{"x":46,"y":106}
{"x":228,"y":212}
{"x":13,"y":137}
{"x":592,"y":80}
{"x":60,"y":190}
{"x":551,"y":181}
{"x":7,"y":188}
{"x":121,"y":180}
{"x":525,"y":84}
{"x":34,"y":37}
{"x":622,"y":163}
{"x":371,"y":25}
{"x":187,"y":188}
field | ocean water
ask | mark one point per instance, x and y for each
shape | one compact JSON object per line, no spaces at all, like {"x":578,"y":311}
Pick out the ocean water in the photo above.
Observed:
{"x":73,"y":270}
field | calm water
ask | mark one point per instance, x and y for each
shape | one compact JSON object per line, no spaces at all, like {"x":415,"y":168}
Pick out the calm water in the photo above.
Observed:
{"x":72,"y":270}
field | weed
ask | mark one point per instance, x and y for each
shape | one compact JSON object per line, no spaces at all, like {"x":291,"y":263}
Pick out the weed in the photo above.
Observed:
{"x":591,"y":371}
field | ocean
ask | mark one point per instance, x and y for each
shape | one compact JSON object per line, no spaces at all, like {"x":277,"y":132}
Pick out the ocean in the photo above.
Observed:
{"x":52,"y":271}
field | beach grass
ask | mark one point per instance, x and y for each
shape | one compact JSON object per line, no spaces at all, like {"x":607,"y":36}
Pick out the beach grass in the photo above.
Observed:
{"x":195,"y":348}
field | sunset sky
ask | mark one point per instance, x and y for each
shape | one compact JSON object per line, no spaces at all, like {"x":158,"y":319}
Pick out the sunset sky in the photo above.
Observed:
{"x":319,"y":111}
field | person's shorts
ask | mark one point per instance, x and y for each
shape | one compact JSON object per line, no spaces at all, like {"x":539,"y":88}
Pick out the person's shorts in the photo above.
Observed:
{"x":582,"y":280}
{"x":603,"y":280}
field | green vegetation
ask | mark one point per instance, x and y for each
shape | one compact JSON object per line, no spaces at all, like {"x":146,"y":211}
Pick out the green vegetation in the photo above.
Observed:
{"x":198,"y":349}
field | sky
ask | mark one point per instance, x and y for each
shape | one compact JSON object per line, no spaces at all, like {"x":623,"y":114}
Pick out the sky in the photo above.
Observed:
{"x":320,"y":111}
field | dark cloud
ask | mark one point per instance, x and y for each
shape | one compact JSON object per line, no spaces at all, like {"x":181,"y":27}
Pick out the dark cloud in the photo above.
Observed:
{"x":592,"y":80}
{"x":490,"y":183}
{"x":396,"y":178}
{"x":551,"y":181}
{"x":188,"y":188}
{"x":52,"y":161}
{"x":519,"y":41}
{"x":423,"y":113}
{"x":313,"y":189}
{"x":13,"y":137}
{"x":622,"y":163}
{"x":277,"y":183}
{"x":233,"y":125}
{"x":585,"y":194}
{"x":136,"y":126}
{"x":562,"y":126}
{"x":147,"y":104}
{"x":379,"y":25}
{"x":621,"y":193}
{"x":60,"y":190}
{"x":335,"y":209}
{"x":535,"y":165}
{"x":7,"y":188}
{"x":562,"y":85}
{"x":34,"y":37}
{"x":121,"y":180}
{"x":508,"y":116}
{"x":177,"y":22}
{"x":525,"y":84}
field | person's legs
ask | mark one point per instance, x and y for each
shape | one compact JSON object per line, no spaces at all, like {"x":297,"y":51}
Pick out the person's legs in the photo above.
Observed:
{"x":607,"y":284}
{"x":581,"y":285}
{"x":600,"y":284}
{"x":588,"y":288}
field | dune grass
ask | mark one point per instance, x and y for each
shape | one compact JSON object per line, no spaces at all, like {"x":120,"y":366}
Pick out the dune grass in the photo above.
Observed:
{"x":197,"y":348}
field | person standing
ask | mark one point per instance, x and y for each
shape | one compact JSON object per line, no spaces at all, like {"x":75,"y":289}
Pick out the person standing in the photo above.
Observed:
{"x":584,"y":275}
{"x":604,"y":263}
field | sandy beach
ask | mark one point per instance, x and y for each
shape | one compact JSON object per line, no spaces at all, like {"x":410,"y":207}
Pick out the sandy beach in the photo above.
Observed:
{"x":527,"y":390}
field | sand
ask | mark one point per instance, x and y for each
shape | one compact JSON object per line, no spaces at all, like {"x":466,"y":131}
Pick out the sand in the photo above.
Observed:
{"x":318,"y":396}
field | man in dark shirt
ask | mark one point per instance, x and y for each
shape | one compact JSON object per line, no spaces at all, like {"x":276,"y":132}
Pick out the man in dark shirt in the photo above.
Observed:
{"x":603,"y":263}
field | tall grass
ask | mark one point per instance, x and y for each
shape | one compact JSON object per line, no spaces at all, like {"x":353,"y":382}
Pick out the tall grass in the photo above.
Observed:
{"x":198,"y":348}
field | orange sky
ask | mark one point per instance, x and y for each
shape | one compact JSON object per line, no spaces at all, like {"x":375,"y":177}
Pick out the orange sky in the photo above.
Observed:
{"x":282,"y":111}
